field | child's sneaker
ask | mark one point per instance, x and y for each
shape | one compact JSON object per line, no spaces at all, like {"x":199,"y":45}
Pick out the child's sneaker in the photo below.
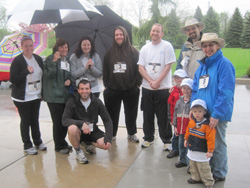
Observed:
{"x":81,"y":157}
{"x":146,"y":144}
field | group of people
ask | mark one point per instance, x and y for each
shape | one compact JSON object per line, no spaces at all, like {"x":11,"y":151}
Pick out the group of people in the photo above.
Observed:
{"x":200,"y":104}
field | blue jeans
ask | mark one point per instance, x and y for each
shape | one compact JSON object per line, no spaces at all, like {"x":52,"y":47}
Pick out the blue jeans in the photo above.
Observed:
{"x":182,"y":150}
{"x":175,"y":143}
{"x":219,"y":160}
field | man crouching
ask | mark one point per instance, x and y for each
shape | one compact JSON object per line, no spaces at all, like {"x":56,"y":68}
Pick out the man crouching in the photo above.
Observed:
{"x":81,"y":116}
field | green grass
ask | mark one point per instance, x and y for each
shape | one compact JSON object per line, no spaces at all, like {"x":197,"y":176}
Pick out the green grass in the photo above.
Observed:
{"x":239,"y":57}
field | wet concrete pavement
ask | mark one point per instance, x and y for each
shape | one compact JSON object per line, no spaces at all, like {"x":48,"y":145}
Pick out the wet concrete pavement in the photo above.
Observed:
{"x":124,"y":165}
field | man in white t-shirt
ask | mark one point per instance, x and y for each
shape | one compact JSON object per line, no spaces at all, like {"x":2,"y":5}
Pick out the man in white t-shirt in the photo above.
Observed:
{"x":155,"y":61}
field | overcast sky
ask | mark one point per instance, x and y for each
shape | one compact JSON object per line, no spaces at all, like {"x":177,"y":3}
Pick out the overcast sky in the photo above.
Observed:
{"x":218,"y":5}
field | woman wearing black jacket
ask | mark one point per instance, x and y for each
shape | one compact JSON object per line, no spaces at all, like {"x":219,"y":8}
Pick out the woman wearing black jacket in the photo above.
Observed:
{"x":26,"y":76}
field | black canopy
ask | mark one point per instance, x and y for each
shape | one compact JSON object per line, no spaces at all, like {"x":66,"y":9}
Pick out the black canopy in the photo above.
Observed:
{"x":99,"y":28}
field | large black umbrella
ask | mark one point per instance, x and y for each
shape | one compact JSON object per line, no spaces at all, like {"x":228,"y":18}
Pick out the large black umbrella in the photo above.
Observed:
{"x":99,"y":28}
{"x":52,"y":11}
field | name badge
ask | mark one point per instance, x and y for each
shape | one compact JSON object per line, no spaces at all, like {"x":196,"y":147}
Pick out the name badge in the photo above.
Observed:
{"x":34,"y":86}
{"x":65,"y":66}
{"x":153,"y":68}
{"x":91,"y":126}
{"x":203,"y":82}
{"x":120,"y":67}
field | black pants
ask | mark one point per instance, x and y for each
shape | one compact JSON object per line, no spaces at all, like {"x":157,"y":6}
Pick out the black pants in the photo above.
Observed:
{"x":59,"y":131}
{"x":130,"y":98}
{"x":29,"y":115}
{"x":154,"y":102}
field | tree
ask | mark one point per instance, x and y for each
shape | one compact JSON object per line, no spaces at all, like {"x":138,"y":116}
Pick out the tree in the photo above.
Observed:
{"x":139,"y":9}
{"x":224,"y":18}
{"x":3,"y":29}
{"x":234,"y":32}
{"x":198,"y":14}
{"x":172,"y":31}
{"x":245,"y":42}
{"x":211,"y":22}
{"x":154,"y":9}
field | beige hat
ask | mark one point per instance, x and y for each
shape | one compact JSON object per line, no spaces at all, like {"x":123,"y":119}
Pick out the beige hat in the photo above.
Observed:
{"x":210,"y":37}
{"x":192,"y":21}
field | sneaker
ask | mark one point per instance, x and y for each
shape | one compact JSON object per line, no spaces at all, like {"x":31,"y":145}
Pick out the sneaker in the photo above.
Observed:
{"x":167,"y":147}
{"x":113,"y":138}
{"x":63,"y":151}
{"x":133,"y":138}
{"x":209,"y":186}
{"x":192,"y":181}
{"x":173,"y":154}
{"x":31,"y":151}
{"x":42,"y":147}
{"x":217,"y":179}
{"x":90,"y":149}
{"x":146,"y":144}
{"x":180,"y":164}
{"x":81,"y":157}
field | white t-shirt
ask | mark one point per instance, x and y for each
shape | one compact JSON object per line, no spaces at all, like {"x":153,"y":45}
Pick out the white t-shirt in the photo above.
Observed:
{"x":33,"y":82}
{"x":154,"y":58}
{"x":86,"y":103}
{"x":197,"y":156}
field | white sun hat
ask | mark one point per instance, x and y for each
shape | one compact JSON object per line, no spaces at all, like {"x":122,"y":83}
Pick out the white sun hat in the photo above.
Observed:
{"x":187,"y":82}
{"x":199,"y":102}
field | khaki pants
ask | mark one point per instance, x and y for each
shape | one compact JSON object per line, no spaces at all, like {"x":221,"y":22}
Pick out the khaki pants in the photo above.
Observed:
{"x":201,"y":171}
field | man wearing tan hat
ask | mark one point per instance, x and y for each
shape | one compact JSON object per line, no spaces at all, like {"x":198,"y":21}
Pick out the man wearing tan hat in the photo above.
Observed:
{"x":190,"y":53}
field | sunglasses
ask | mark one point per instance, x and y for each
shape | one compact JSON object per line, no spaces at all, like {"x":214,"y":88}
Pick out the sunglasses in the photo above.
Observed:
{"x":208,"y":45}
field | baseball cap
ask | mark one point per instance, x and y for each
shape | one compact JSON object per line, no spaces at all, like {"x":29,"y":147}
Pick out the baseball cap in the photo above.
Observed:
{"x":187,"y":82}
{"x":199,"y":102}
{"x":181,"y":73}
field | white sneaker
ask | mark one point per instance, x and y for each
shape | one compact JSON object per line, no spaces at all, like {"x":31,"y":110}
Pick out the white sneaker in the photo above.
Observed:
{"x":31,"y":151}
{"x":133,"y":138}
{"x":167,"y":147}
{"x":42,"y":147}
{"x":146,"y":144}
{"x":81,"y":157}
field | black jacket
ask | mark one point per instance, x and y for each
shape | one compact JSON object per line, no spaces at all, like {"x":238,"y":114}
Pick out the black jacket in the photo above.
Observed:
{"x":18,"y":72}
{"x":76,"y":114}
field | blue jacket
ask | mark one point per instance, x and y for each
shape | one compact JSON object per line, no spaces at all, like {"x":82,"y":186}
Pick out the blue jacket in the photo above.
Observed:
{"x":219,"y":94}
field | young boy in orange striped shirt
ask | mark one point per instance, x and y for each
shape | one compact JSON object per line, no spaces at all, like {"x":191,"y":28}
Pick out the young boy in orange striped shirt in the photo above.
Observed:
{"x":200,"y":141}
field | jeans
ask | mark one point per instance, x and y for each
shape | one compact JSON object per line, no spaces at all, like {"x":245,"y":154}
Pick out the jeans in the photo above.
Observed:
{"x":219,"y":160}
{"x":175,"y":143}
{"x":182,"y":150}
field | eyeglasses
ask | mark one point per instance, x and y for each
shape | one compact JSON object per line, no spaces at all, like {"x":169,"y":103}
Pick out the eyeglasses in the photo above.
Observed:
{"x":208,"y":45}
